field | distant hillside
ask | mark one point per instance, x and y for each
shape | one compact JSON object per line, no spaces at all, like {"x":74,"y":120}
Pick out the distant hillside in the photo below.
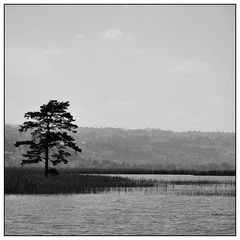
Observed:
{"x":148,"y":148}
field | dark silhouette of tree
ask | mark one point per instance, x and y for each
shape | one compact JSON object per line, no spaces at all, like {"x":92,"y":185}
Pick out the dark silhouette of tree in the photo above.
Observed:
{"x":49,"y":130}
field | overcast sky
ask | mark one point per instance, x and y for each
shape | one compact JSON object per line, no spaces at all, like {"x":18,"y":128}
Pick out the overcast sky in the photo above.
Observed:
{"x":169,"y":67}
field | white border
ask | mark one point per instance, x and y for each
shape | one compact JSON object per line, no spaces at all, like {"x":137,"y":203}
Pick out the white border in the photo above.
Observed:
{"x":105,"y":2}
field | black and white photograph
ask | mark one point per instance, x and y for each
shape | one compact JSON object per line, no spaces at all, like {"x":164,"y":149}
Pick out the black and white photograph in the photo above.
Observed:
{"x":119,"y":119}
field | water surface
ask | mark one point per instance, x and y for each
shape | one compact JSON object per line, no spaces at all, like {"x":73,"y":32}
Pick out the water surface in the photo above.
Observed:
{"x":145,"y":212}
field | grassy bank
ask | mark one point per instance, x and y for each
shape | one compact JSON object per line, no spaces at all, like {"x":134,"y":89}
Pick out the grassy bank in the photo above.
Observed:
{"x":32,"y":181}
{"x":151,"y":171}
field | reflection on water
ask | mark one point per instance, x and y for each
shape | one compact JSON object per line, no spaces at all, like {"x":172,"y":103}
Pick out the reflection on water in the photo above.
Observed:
{"x":146,"y":212}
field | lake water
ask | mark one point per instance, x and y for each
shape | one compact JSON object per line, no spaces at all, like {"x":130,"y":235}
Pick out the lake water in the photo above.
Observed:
{"x":174,"y":177}
{"x":146,"y":212}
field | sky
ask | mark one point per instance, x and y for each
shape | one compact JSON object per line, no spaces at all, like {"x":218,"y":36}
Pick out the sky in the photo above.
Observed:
{"x":131,"y":66}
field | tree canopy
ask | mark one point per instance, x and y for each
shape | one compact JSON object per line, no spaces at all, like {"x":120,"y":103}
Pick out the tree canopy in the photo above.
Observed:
{"x":49,"y":130}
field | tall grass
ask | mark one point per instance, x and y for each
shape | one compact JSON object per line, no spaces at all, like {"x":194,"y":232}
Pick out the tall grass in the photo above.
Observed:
{"x":199,"y":187}
{"x":32,"y":181}
{"x":151,"y":171}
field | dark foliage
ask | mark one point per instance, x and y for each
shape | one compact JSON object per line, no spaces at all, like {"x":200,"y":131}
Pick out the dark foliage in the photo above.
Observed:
{"x":53,"y":172}
{"x":50,"y":139}
{"x":31,"y":181}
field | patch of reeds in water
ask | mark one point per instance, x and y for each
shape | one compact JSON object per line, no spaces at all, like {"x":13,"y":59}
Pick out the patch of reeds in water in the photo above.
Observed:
{"x":198,"y":187}
{"x":32,"y":181}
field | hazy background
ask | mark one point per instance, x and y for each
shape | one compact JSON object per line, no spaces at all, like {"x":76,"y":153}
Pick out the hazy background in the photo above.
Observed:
{"x":169,"y":67}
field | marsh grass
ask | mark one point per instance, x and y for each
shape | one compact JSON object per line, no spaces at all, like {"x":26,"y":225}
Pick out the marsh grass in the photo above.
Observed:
{"x":199,"y":187}
{"x":123,"y":170}
{"x":32,"y":181}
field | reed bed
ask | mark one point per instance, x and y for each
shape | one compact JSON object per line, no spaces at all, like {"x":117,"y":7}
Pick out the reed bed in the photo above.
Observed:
{"x":199,"y":187}
{"x":198,"y":182}
{"x":32,"y":181}
{"x":150,"y":171}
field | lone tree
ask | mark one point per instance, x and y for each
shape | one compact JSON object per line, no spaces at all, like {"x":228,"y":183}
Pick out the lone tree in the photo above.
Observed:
{"x":49,"y":130}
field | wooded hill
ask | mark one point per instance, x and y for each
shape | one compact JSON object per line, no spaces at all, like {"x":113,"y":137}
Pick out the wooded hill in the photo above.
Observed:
{"x":147,"y":148}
